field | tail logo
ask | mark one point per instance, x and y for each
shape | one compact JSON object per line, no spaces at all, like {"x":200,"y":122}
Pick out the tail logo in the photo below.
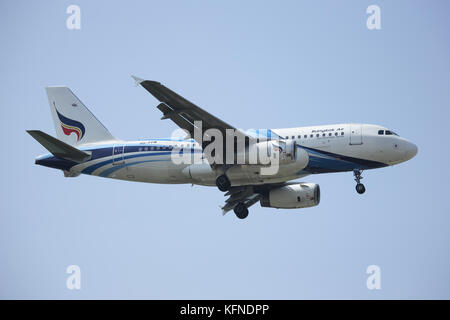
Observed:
{"x":68,"y":126}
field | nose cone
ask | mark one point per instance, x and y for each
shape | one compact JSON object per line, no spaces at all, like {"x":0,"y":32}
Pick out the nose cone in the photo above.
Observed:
{"x":411,"y":150}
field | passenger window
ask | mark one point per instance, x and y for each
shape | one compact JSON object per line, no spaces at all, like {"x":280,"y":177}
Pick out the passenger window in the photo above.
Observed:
{"x":317,"y":135}
{"x":329,"y":134}
{"x":293,"y":137}
{"x":342,"y":133}
{"x":305,"y":136}
{"x":311,"y":136}
{"x":299,"y":137}
{"x":287,"y":137}
{"x":380,"y":132}
{"x":323,"y":135}
{"x":335,"y":133}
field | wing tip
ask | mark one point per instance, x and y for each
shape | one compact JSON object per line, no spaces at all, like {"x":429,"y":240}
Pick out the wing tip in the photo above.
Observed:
{"x":33,"y":133}
{"x":140,"y":81}
{"x":137,"y":80}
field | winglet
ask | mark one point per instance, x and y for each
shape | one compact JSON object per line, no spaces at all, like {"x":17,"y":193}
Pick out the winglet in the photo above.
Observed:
{"x":137,"y":80}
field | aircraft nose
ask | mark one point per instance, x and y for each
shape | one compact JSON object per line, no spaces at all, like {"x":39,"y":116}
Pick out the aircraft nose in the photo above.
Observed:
{"x":411,"y":150}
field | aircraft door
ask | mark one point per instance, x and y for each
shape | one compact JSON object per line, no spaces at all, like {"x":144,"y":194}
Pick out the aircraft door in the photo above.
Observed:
{"x":118,"y":152}
{"x":355,"y":134}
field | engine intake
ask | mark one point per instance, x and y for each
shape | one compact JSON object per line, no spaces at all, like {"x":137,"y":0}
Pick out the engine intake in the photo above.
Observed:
{"x":291,"y":196}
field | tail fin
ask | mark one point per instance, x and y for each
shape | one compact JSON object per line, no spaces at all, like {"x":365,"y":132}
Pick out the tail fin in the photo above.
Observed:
{"x":74,"y":123}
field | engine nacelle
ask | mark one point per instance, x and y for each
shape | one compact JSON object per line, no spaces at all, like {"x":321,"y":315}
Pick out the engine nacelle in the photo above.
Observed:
{"x":301,"y":195}
{"x":263,"y":152}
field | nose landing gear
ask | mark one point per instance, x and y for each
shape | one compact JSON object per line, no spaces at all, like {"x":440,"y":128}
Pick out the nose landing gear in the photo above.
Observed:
{"x":360,"y":188}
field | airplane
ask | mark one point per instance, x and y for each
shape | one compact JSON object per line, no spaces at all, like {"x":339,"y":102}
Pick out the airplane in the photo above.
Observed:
{"x":84,"y":146}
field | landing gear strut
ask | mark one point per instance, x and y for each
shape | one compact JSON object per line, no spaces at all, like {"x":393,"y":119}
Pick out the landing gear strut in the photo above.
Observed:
{"x":223,"y":183}
{"x":241,"y":211}
{"x":359,"y":186}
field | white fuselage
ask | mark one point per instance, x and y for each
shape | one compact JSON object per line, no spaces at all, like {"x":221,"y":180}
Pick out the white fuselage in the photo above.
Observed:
{"x":331,"y":148}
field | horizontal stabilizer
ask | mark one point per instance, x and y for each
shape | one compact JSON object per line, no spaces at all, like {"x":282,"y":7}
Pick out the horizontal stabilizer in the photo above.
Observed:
{"x":58,"y":148}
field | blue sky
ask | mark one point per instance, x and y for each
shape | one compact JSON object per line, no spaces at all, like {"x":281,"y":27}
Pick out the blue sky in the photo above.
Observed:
{"x":255,"y":64}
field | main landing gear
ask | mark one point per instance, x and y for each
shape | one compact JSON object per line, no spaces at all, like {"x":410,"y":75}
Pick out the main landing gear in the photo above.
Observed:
{"x":241,"y":211}
{"x":223,"y":183}
{"x":359,"y":186}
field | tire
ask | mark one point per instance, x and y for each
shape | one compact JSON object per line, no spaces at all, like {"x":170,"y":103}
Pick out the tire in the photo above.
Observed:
{"x":223,"y":183}
{"x":241,"y":211}
{"x":360,"y":188}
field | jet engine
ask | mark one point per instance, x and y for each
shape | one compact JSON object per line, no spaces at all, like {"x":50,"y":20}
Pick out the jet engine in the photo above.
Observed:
{"x":291,"y":196}
{"x":264,"y":152}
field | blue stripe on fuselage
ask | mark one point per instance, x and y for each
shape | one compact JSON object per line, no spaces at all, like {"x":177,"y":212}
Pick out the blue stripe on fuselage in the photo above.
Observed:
{"x":108,"y":171}
{"x":92,"y":168}
{"x":324,"y":161}
{"x":320,"y":161}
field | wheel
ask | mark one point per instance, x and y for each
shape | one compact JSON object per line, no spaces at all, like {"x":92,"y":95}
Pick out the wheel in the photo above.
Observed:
{"x":241,"y":211}
{"x":360,"y":188}
{"x":223,"y":183}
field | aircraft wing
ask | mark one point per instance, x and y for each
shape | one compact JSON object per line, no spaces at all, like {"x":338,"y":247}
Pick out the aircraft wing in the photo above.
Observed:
{"x":182,"y":111}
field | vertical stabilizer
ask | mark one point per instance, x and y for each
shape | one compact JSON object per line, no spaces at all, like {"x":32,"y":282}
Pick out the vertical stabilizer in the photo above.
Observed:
{"x":74,"y":123}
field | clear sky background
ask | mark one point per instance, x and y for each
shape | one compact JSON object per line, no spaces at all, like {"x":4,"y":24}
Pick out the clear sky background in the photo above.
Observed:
{"x":254,"y":64}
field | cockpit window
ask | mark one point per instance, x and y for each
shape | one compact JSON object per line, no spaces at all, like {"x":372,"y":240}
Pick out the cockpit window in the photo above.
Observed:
{"x":388,"y":132}
{"x":380,"y":132}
